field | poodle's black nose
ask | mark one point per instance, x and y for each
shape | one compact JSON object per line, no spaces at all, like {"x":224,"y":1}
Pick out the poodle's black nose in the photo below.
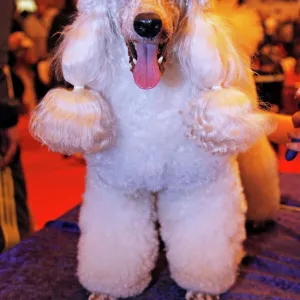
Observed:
{"x":147,"y":25}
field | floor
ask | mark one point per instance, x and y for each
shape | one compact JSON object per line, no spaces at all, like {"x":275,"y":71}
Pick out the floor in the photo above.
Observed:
{"x":56,"y":184}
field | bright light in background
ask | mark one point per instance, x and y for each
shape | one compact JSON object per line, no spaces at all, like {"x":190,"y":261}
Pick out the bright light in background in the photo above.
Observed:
{"x":279,"y":9}
{"x":27,"y":5}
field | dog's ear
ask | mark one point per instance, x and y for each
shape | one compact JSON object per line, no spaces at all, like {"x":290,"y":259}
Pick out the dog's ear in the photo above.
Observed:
{"x":79,"y":120}
{"x":84,"y":54}
{"x":207,"y":50}
{"x":224,"y":116}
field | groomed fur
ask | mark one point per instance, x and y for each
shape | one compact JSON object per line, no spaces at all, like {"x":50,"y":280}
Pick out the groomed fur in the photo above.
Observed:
{"x":73,"y":121}
{"x":168,"y":142}
{"x":224,"y":116}
{"x":79,"y":121}
{"x":220,"y":62}
{"x":119,"y":231}
{"x":85,"y":54}
{"x":224,"y":121}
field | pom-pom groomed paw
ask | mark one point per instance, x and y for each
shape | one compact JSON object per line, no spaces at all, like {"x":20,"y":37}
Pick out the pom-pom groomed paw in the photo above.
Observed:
{"x":100,"y":297}
{"x":200,"y":296}
{"x":225,"y":121}
{"x":73,"y":121}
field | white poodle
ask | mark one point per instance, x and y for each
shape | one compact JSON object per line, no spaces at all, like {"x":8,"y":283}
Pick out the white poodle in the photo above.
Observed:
{"x":162,"y":143}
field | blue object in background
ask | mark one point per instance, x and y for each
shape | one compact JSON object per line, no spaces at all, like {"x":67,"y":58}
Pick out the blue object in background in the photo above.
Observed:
{"x":291,"y":154}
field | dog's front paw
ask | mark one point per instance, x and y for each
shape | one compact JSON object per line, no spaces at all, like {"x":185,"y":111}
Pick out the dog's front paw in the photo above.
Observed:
{"x":200,"y":296}
{"x":95,"y":296}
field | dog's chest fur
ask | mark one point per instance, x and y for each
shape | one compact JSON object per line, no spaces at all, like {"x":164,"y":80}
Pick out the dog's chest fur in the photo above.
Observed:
{"x":152,"y":150}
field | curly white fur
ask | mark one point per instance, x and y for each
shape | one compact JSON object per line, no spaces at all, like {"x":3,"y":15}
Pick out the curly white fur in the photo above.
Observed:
{"x":225,"y":121}
{"x":219,"y":62}
{"x":85,"y":45}
{"x":168,"y":141}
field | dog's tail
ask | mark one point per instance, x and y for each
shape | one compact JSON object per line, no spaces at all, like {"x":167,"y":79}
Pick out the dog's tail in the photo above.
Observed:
{"x":246,"y":22}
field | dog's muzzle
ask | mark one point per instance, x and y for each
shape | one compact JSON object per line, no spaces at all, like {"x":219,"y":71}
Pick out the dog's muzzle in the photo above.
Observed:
{"x":147,"y":50}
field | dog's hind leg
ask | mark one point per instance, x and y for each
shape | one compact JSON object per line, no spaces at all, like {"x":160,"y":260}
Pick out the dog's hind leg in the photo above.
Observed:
{"x":118,"y":245}
{"x":259,"y":174}
{"x":203,"y":229}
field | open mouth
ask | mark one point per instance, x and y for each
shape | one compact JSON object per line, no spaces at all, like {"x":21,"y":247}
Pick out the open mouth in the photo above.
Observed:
{"x":147,"y":62}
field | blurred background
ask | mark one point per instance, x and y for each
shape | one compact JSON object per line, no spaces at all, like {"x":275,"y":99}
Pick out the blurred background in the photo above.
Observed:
{"x":55,"y":183}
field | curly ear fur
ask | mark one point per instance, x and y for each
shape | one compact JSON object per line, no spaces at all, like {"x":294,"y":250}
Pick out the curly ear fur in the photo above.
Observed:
{"x":80,"y":120}
{"x":208,"y":55}
{"x":84,"y":53}
{"x":207,"y":52}
{"x":224,"y":112}
{"x":224,"y":121}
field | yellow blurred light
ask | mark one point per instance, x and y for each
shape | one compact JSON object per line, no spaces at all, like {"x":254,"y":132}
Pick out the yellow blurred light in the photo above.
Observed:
{"x":26,"y":5}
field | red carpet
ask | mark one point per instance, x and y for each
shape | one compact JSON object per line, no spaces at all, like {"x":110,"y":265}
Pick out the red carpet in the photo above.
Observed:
{"x":55,"y":184}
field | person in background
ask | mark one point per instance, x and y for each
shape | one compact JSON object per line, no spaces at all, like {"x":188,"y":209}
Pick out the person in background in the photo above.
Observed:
{"x":269,"y":76}
{"x":21,"y":51}
{"x":61,"y":20}
{"x":270,"y":26}
{"x":64,"y":18}
{"x":295,"y":133}
{"x":288,"y":128}
{"x":285,"y":36}
{"x":36,"y":27}
{"x":17,"y":41}
{"x":14,"y":214}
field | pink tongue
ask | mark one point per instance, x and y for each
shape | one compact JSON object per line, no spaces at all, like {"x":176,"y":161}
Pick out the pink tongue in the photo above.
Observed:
{"x":146,"y":71}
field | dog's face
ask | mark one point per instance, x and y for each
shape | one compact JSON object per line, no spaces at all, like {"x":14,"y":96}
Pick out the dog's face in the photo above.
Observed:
{"x":148,"y":27}
{"x":184,"y":32}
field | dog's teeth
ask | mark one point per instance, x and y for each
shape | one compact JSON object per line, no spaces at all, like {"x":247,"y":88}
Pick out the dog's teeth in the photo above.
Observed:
{"x":134,"y":61}
{"x":160,"y":60}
